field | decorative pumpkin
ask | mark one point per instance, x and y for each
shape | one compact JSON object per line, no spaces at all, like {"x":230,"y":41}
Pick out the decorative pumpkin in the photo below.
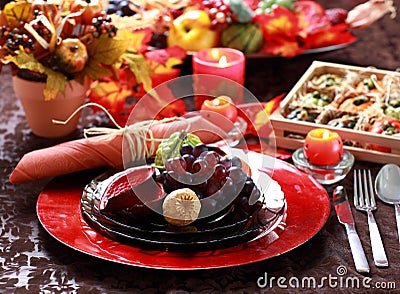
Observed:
{"x":247,"y":38}
{"x":71,"y":56}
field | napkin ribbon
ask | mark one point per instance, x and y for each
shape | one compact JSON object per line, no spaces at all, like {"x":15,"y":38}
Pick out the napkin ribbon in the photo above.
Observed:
{"x":137,"y":134}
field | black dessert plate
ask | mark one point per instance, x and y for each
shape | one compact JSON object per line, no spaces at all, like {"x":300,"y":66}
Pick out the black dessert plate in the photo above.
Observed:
{"x":236,"y":225}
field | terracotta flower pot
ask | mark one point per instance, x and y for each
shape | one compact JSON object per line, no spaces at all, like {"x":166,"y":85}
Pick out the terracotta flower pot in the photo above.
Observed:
{"x":40,"y":113}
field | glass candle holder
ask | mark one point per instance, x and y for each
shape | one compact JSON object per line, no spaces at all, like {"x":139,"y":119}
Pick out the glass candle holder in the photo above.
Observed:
{"x":325,"y":174}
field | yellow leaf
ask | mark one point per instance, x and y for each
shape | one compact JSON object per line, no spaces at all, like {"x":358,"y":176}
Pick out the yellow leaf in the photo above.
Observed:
{"x":139,"y":67}
{"x":278,"y":25}
{"x":95,"y":71}
{"x":269,"y":106}
{"x":26,"y":61}
{"x":103,"y":52}
{"x":159,"y":68}
{"x":16,"y":12}
{"x":173,"y":61}
{"x":107,"y":50}
{"x":56,"y":82}
{"x":111,"y":91}
{"x":135,"y":39}
{"x":261,"y":120}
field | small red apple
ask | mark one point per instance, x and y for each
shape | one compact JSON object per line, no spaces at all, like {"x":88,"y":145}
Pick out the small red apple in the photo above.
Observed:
{"x":71,"y":55}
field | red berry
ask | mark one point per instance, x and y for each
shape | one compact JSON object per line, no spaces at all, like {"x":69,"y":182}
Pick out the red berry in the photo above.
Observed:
{"x":175,"y":13}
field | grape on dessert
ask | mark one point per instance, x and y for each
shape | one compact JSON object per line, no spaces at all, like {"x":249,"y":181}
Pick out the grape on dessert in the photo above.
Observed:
{"x":199,"y":149}
{"x":186,"y":149}
{"x":211,"y":175}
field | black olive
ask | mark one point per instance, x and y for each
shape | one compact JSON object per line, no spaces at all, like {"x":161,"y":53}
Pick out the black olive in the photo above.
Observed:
{"x":369,"y":83}
{"x":395,"y":103}
{"x":360,"y":100}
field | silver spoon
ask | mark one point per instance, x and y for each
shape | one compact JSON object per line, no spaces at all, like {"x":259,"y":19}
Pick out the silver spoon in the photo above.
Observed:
{"x":387,"y":187}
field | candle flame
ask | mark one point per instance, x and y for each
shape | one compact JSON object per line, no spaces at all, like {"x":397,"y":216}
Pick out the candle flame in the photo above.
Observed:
{"x":223,"y":62}
{"x":325,"y":134}
{"x":215,"y":54}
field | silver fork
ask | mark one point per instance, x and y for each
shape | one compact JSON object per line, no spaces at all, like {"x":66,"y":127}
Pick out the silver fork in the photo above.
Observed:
{"x":364,"y":199}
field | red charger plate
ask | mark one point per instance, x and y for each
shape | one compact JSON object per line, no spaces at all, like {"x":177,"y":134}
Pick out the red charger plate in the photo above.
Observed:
{"x":308,"y":207}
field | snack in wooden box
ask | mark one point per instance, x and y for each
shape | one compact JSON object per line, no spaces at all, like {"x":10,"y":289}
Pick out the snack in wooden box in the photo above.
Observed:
{"x":363,"y":103}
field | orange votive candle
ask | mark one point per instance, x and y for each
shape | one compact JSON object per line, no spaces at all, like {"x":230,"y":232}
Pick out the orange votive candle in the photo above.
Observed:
{"x":323,"y":147}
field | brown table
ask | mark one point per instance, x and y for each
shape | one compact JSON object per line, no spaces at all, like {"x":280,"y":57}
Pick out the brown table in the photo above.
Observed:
{"x":32,"y":261}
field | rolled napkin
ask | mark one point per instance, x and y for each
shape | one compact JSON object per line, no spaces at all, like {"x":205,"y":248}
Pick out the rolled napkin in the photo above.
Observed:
{"x":106,"y":150}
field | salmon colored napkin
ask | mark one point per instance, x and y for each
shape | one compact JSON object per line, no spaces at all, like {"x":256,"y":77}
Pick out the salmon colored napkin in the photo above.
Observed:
{"x":103,"y":150}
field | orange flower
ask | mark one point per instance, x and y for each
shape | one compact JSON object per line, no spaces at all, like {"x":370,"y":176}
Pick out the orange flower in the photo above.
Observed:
{"x":280,"y":29}
{"x":336,"y":34}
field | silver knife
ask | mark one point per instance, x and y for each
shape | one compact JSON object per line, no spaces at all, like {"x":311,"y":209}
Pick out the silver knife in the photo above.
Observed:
{"x":345,"y":217}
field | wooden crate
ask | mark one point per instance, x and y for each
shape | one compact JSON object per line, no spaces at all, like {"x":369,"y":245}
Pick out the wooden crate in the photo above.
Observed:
{"x":285,"y":128}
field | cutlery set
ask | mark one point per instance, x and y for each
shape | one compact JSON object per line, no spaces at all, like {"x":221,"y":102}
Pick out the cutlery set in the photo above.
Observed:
{"x":387,"y":187}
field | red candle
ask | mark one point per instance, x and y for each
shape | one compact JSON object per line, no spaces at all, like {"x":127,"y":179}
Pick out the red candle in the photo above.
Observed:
{"x":323,"y":147}
{"x":218,"y":71}
{"x":220,"y":111}
{"x":222,"y":105}
{"x":224,"y":62}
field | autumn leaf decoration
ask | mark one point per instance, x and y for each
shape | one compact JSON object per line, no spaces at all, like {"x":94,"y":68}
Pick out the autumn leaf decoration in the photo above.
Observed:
{"x":107,"y":53}
{"x":280,"y":29}
{"x":55,"y":82}
{"x":137,"y":75}
{"x":287,"y":33}
{"x":317,"y":30}
{"x":106,"y":56}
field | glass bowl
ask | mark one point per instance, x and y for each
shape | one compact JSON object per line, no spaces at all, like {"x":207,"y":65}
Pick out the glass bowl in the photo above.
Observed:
{"x":325,"y":174}
{"x":236,"y":134}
